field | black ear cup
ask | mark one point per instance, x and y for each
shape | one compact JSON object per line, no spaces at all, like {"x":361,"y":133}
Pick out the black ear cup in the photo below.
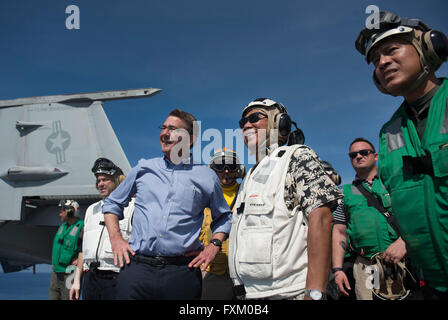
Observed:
{"x":440,"y":44}
{"x":70,"y":212}
{"x":284,"y":124}
{"x":296,"y":137}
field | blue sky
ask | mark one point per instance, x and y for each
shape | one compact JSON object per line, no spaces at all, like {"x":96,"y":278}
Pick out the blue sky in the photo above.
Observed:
{"x":210,"y":58}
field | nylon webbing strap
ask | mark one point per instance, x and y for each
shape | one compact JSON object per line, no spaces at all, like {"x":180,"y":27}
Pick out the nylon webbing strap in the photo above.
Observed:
{"x":373,"y":201}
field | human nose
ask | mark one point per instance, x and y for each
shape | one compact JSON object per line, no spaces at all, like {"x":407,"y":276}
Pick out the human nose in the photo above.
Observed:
{"x":383,"y":60}
{"x":165,"y":133}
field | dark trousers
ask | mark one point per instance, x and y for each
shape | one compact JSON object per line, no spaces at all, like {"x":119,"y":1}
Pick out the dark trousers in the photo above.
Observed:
{"x":142,"y":281}
{"x":99,"y":285}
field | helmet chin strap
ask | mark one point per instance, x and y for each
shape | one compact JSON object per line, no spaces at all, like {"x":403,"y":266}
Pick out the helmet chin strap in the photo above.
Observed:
{"x":412,"y":38}
{"x":415,"y":84}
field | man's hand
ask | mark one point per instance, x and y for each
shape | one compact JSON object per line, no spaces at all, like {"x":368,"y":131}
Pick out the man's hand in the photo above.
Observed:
{"x":340,"y":278}
{"x":74,"y":293}
{"x":120,"y":247}
{"x":395,"y":252}
{"x":205,"y":257}
{"x":121,"y":250}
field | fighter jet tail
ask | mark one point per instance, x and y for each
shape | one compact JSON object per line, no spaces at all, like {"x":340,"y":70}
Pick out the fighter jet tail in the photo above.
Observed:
{"x":48,"y":146}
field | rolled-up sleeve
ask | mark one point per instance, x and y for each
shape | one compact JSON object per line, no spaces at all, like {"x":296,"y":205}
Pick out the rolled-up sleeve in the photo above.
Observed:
{"x":220,"y":210}
{"x":120,"y":197}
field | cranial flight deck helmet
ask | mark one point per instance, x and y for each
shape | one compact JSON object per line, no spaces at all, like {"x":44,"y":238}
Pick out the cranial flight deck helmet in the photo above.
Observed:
{"x":431,"y":45}
{"x":227,"y":158}
{"x":105,"y":166}
{"x":71,"y":207}
{"x":278,"y":119}
{"x":391,"y":279}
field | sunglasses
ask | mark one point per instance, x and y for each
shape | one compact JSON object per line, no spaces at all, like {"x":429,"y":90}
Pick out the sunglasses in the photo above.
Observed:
{"x":220,"y":167}
{"x":253,"y":118}
{"x":363,"y":152}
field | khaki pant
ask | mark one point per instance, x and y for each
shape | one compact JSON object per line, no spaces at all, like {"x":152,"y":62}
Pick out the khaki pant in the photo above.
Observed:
{"x":58,"y":286}
{"x":363,"y":277}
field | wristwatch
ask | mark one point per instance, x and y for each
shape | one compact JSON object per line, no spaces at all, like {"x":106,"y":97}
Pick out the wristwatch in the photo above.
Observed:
{"x":216,"y":242}
{"x":315,"y":294}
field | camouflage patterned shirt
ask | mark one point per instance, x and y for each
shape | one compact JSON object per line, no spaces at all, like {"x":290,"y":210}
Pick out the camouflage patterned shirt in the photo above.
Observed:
{"x":307,"y":185}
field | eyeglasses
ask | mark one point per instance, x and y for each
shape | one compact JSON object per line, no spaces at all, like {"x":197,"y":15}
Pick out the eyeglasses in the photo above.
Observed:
{"x":170,"y":128}
{"x":254,"y":117}
{"x":220,"y":167}
{"x":363,"y":152}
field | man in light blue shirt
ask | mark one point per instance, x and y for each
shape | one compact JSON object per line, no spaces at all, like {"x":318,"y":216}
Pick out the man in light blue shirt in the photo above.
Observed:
{"x":162,"y":257}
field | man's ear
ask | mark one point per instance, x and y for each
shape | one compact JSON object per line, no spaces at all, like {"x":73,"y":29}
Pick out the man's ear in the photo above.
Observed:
{"x":192,"y":140}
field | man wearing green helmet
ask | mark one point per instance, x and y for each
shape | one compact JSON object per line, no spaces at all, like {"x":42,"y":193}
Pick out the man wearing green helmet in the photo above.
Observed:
{"x":413,"y":155}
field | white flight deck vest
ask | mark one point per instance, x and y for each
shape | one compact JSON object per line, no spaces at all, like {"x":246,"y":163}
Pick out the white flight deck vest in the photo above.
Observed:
{"x":96,"y":246}
{"x":268,"y":242}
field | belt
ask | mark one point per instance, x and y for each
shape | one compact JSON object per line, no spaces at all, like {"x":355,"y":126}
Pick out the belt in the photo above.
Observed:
{"x":105,"y":274}
{"x":160,"y":261}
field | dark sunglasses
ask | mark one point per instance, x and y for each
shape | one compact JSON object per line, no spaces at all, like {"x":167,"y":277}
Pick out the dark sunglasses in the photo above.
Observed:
{"x":220,"y":167}
{"x":363,"y":152}
{"x":254,"y":117}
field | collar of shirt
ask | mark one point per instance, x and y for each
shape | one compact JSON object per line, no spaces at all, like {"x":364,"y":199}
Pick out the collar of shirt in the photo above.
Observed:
{"x":419,"y":108}
{"x":364,"y":180}
{"x":186,"y":162}
{"x":169,"y":205}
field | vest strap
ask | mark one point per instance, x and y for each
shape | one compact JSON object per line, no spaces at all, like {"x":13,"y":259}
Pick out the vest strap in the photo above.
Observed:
{"x":373,"y":201}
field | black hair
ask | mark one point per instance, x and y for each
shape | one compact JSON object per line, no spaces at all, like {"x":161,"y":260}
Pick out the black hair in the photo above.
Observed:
{"x":361,"y":139}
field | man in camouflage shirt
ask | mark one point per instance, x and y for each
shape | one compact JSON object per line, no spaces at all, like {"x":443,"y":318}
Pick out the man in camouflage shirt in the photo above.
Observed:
{"x":280,"y":242}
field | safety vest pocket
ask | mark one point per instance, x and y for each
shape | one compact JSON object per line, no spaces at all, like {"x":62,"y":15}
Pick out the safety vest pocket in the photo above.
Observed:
{"x":255,"y":254}
{"x":440,"y":162}
{"x":105,"y":251}
{"x":66,"y":257}
{"x":257,"y":204}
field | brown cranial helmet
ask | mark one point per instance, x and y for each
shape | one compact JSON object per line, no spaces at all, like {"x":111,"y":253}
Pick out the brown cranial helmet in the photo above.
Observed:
{"x":431,"y":45}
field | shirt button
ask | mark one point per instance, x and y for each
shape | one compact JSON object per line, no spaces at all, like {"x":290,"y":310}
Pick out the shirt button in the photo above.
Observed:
{"x":160,"y":236}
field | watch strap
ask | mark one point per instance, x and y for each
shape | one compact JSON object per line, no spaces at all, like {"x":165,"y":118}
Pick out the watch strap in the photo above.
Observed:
{"x":309,"y":295}
{"x":216,"y":242}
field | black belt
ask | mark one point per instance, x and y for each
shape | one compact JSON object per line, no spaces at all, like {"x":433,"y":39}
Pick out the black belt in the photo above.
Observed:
{"x":160,"y":261}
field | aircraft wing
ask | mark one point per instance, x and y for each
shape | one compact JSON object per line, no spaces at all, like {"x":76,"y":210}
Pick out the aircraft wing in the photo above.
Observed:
{"x":48,"y":147}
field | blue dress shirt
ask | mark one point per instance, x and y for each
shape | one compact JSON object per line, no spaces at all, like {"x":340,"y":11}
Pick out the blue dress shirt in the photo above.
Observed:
{"x":169,"y":205}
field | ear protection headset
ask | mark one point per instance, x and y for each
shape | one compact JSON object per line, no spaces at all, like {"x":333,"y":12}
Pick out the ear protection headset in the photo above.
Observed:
{"x":296,"y":137}
{"x":281,"y":120}
{"x":435,"y":45}
{"x":71,"y":207}
{"x":431,"y":45}
{"x":219,"y":158}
